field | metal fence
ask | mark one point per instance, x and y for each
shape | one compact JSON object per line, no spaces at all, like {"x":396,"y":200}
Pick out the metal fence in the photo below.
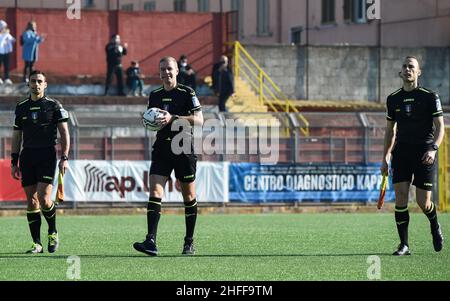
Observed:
{"x":333,"y":137}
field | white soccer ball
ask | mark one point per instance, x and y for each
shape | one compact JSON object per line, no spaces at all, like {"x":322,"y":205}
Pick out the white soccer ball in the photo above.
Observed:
{"x":149,"y":118}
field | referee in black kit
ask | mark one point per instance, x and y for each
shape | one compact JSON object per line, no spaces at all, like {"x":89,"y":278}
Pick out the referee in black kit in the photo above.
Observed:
{"x":36,"y":119}
{"x":416,"y":114}
{"x":180,"y":105}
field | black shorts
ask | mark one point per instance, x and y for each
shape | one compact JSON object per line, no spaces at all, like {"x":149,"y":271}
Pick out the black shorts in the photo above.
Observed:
{"x":164,"y":161}
{"x":37,"y":165}
{"x":407,"y":161}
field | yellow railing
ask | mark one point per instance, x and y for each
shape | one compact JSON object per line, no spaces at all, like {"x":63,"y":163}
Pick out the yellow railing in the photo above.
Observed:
{"x":444,"y":177}
{"x":267,"y":91}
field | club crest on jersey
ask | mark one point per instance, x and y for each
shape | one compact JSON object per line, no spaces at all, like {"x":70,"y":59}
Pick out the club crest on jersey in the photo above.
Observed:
{"x":408,"y":109}
{"x":34,"y":116}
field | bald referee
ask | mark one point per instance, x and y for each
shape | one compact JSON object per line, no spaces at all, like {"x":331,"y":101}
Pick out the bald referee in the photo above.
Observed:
{"x":414,"y":131}
{"x":37,"y":119}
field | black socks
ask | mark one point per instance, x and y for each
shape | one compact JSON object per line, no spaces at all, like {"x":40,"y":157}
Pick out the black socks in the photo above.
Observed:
{"x":34,"y":222}
{"x":50,"y":217}
{"x":153,"y":215}
{"x":190,"y":211}
{"x":402,"y":221}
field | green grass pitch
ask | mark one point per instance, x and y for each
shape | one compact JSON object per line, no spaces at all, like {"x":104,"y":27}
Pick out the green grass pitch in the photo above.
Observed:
{"x":322,"y":246}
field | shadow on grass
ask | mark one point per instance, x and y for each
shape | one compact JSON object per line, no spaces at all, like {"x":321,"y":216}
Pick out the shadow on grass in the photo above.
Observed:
{"x":6,"y":255}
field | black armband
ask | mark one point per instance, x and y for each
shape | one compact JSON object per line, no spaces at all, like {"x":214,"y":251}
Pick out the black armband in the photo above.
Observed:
{"x":14,"y":159}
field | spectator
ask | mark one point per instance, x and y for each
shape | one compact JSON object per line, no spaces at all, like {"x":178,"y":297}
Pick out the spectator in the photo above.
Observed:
{"x":186,"y":75}
{"x":114,"y":52}
{"x":6,"y":47}
{"x":135,"y":79}
{"x":30,"y":41}
{"x":214,"y":69}
{"x":223,"y":82}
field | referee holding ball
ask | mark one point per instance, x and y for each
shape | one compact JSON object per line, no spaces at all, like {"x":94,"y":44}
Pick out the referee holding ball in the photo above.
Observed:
{"x":180,"y":106}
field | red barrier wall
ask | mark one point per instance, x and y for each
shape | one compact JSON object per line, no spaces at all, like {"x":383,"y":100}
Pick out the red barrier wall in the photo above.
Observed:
{"x":10,"y":189}
{"x":78,"y":46}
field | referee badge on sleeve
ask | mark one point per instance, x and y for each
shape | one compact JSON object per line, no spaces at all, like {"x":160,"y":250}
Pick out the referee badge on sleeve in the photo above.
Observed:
{"x":438,"y":105}
{"x":195,"y":101}
{"x":64,"y":114}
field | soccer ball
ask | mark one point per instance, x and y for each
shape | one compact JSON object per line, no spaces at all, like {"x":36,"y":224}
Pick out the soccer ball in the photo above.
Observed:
{"x":149,"y":117}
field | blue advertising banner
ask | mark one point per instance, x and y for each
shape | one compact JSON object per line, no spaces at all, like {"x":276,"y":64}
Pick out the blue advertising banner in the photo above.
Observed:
{"x":253,"y":182}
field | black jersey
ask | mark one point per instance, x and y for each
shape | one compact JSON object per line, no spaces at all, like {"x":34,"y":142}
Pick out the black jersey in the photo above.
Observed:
{"x":38,"y":120}
{"x":414,"y":112}
{"x":180,"y":101}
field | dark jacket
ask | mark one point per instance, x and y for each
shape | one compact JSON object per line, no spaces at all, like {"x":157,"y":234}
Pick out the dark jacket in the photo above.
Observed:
{"x":133,"y":73}
{"x":185,"y":79}
{"x":223,"y":82}
{"x":114,"y":54}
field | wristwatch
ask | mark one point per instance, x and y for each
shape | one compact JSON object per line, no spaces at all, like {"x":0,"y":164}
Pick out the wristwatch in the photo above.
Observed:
{"x":435,"y":147}
{"x":64,"y":158}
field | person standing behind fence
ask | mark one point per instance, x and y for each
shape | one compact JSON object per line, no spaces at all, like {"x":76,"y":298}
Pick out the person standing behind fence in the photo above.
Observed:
{"x":37,"y":120}
{"x":416,"y":116}
{"x":30,"y":41}
{"x":187,"y":75}
{"x":134,"y":79}
{"x":6,"y":48}
{"x":114,"y":52}
{"x":223,"y":82}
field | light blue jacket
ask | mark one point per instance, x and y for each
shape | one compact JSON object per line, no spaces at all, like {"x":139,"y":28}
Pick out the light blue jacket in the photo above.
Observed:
{"x":31,"y":41}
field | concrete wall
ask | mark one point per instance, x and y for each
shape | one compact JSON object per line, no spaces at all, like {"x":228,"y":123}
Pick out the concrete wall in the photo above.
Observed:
{"x":435,"y":64}
{"x":349,"y":73}
{"x":342,"y":73}
{"x":281,"y":64}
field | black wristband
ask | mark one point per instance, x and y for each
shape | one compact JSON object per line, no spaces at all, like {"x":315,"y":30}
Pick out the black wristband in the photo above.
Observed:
{"x":14,"y":159}
{"x":64,"y":158}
